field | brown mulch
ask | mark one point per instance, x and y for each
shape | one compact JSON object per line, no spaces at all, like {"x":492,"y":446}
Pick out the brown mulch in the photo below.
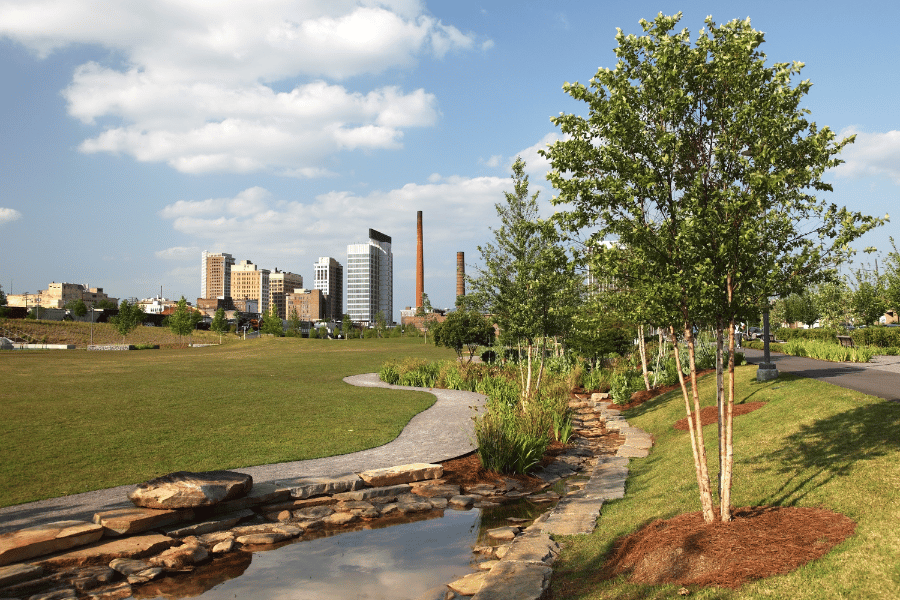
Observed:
{"x":759,"y":542}
{"x":710,"y":414}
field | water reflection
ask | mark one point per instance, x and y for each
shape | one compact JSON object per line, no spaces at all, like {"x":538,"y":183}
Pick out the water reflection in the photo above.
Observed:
{"x":406,"y":561}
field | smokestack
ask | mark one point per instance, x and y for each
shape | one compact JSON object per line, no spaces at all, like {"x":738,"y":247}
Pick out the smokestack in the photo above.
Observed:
{"x":420,"y":269}
{"x":460,"y":274}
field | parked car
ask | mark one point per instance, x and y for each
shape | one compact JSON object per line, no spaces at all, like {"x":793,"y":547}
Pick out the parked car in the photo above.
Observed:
{"x":754,"y":333}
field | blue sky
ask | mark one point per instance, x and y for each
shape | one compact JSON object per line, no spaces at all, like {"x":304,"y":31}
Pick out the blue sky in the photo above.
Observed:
{"x":135,"y":134}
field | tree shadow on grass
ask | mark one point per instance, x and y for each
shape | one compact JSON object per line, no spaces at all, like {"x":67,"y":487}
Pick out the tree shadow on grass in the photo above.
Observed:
{"x":829,"y":448}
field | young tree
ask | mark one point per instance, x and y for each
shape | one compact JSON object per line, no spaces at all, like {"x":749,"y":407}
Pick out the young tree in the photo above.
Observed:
{"x":183,"y":321}
{"x":129,"y":317}
{"x":426,"y":312}
{"x":527,"y":282}
{"x":105,"y":303}
{"x":868,"y":296}
{"x":3,"y":308}
{"x":272,"y":322}
{"x":219,"y":324}
{"x":294,"y":323}
{"x":697,"y":159}
{"x":462,"y":329}
{"x":77,"y":307}
{"x":347,"y":326}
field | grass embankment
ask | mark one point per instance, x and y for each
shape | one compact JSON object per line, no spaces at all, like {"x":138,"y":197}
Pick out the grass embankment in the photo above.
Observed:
{"x":812,"y":444}
{"x":79,"y":334}
{"x":78,"y":421}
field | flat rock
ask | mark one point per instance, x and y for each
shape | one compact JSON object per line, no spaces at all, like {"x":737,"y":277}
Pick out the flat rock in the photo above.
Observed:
{"x":184,"y":489}
{"x":225,"y":521}
{"x":461,"y":501}
{"x":443,"y":490}
{"x":468,"y":585}
{"x":341,"y":518}
{"x":305,"y":487}
{"x":390,"y":491}
{"x":64,"y":594}
{"x":533,"y":546}
{"x":261,"y":493}
{"x":503,"y":534}
{"x":180,"y":556}
{"x":88,"y":578}
{"x":401,"y":474}
{"x":18,"y":573}
{"x":117,"y":591}
{"x":103,"y":552}
{"x":515,"y":581}
{"x":17,"y":546}
{"x":129,"y":521}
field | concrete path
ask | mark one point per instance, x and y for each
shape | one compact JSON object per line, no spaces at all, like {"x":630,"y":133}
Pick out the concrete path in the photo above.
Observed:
{"x":444,"y":431}
{"x":879,"y":378}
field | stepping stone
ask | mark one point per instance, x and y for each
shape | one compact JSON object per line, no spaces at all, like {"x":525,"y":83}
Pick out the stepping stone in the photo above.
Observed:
{"x":515,"y":580}
{"x":17,"y":546}
{"x":468,"y":585}
{"x":185,"y":489}
{"x":401,"y":474}
{"x":503,"y":534}
{"x":128,"y":521}
{"x":103,"y":553}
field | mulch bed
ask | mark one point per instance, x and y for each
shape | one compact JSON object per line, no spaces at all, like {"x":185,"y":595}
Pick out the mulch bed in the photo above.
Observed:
{"x":758,"y":543}
{"x":710,"y":414}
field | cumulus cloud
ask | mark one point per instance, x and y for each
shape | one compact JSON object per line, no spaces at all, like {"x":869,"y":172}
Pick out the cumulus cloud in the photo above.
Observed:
{"x":873,"y":154}
{"x":178,"y":253}
{"x":240,"y":86}
{"x":535,"y":164}
{"x":8,"y":215}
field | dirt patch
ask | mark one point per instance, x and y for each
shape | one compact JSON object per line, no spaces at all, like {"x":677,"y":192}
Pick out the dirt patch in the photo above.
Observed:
{"x":758,"y":543}
{"x":710,"y":414}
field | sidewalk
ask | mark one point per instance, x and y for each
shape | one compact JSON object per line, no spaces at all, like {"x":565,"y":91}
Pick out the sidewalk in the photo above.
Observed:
{"x":444,"y":431}
{"x":879,"y":378}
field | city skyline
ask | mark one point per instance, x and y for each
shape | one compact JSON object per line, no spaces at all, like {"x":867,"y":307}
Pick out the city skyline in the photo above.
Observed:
{"x":135,"y":141}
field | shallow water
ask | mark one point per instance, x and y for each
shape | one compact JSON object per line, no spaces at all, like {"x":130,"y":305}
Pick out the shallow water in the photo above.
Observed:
{"x":402,"y":562}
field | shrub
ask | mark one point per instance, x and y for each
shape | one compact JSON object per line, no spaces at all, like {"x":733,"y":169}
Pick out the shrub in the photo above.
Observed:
{"x":882,"y":337}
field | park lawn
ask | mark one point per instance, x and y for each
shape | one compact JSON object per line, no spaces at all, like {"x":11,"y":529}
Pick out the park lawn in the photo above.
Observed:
{"x":812,"y":444}
{"x":75,"y":421}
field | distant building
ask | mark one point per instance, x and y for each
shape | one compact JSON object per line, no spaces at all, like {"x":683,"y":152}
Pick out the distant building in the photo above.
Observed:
{"x":57,"y":295}
{"x":156,"y":306}
{"x":215,"y":274}
{"x":330,"y":280}
{"x":370,"y":279}
{"x":281,"y":283}
{"x":309,"y":304}
{"x":249,"y":282}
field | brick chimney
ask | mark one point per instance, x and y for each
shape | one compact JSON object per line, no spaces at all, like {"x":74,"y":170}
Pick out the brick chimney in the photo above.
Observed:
{"x":460,"y":274}
{"x":420,"y":269}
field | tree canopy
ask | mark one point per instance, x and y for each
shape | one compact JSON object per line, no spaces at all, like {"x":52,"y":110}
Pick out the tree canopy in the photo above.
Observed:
{"x":129,"y":317}
{"x":464,"y":329}
{"x":183,"y":321}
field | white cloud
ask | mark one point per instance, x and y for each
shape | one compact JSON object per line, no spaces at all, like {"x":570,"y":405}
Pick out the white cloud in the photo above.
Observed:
{"x":873,"y":154}
{"x":535,"y":164}
{"x":198,"y":87}
{"x":178,"y":253}
{"x":8,"y":215}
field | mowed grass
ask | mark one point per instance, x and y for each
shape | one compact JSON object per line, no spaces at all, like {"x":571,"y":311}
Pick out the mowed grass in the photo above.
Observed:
{"x":74,"y":421}
{"x":812,"y":444}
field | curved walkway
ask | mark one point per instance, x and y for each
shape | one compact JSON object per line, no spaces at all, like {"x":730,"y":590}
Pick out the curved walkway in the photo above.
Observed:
{"x":879,"y":378}
{"x":443,"y":431}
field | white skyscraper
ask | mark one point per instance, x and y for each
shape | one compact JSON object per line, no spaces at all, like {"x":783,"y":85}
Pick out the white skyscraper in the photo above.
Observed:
{"x":370,"y":279}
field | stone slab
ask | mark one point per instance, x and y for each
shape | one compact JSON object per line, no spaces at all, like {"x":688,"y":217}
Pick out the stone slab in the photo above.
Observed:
{"x":379,"y":492}
{"x":533,"y":546}
{"x":129,"y":521}
{"x":186,"y":489}
{"x":18,"y":573}
{"x":262,"y":493}
{"x":306,"y":487}
{"x":225,"y":522}
{"x":102,"y":553}
{"x":401,"y":474}
{"x":513,"y":580}
{"x":30,"y":542}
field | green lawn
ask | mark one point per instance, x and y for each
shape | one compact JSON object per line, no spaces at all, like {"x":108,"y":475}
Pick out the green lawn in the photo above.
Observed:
{"x":74,"y":421}
{"x":813,"y":444}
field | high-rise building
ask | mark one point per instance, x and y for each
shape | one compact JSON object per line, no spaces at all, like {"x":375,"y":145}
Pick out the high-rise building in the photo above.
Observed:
{"x":215,"y":274}
{"x":330,"y":280}
{"x":370,"y":279}
{"x":281,"y":283}
{"x":249,"y":282}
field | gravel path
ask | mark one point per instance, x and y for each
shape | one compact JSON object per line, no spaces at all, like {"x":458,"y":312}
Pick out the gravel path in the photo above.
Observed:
{"x":446,"y":430}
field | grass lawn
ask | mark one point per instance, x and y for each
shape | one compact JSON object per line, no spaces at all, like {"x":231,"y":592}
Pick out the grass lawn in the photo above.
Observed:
{"x":75,"y":421}
{"x":812,"y":444}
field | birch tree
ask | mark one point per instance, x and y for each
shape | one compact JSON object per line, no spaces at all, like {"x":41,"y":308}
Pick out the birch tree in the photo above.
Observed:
{"x":697,"y":158}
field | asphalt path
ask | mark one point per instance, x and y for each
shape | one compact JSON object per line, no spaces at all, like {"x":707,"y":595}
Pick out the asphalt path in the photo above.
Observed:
{"x":879,"y":378}
{"x":443,"y":431}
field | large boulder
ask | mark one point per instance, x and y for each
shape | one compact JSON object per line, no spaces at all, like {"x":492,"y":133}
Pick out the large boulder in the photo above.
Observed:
{"x":189,"y":490}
